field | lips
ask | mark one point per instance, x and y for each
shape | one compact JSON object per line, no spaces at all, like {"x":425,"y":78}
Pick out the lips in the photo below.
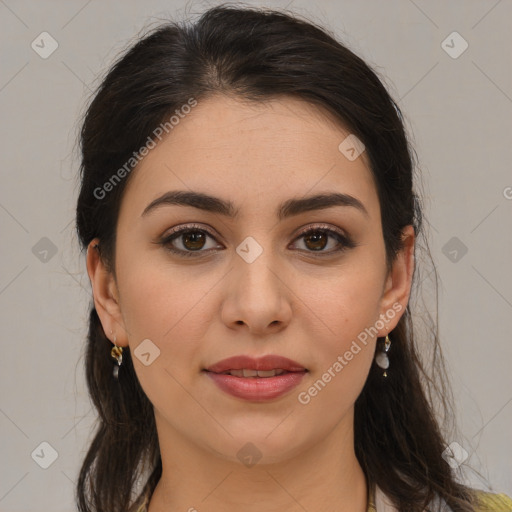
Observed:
{"x":249,"y":365}
{"x":256,"y":379}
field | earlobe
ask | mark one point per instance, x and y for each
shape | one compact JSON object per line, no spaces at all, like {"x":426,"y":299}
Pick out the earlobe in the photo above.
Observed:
{"x":105,"y":295}
{"x":398,"y":284}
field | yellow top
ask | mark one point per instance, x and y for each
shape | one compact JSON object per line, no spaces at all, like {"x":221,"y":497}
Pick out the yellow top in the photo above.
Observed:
{"x":487,"y":502}
{"x":490,"y":502}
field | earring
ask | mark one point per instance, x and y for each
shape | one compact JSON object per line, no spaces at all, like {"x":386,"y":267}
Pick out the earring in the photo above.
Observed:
{"x":117,"y":354}
{"x":382,"y":359}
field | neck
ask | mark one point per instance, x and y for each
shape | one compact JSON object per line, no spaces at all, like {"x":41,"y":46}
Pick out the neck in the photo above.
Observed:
{"x":324,"y":477}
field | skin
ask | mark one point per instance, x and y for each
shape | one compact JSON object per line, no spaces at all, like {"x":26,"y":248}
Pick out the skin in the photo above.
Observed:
{"x":290,"y":301}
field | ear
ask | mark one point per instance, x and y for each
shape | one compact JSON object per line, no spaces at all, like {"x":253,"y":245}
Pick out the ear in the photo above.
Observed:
{"x":397,"y":287}
{"x":106,"y":295}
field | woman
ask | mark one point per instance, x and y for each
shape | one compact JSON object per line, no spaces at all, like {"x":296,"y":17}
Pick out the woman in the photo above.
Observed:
{"x":248,"y":211}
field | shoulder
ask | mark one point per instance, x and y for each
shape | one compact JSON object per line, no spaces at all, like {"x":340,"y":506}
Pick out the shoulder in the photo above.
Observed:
{"x":491,"y":502}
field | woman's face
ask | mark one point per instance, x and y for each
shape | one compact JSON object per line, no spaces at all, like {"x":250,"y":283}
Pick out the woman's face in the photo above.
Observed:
{"x":252,"y":284}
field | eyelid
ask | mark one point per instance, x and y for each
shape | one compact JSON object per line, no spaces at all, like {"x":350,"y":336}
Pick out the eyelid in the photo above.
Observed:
{"x":189,"y":227}
{"x":320,"y":226}
{"x":175,"y":233}
{"x":343,"y":239}
{"x":302,"y":231}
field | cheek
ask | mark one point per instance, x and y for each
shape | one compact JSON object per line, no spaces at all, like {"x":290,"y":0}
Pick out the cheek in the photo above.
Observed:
{"x":340,"y":318}
{"x":158,"y":299}
{"x":347,"y":302}
{"x":170,"y":308}
{"x":343,"y":348}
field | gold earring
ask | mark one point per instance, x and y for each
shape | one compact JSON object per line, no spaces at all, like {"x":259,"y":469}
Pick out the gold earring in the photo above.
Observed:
{"x":117,"y":354}
{"x":381,"y":358}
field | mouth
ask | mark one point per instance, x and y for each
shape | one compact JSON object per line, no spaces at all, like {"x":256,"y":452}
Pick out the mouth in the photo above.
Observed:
{"x":257,"y":385}
{"x":245,"y":366}
{"x":257,"y":374}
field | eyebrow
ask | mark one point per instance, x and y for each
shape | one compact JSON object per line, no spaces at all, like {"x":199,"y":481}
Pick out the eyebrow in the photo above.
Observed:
{"x":286,"y":209}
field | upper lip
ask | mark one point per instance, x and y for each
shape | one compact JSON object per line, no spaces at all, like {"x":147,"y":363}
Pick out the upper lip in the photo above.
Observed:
{"x":268,"y":362}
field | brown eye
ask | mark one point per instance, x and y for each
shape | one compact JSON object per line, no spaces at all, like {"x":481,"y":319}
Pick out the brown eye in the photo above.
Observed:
{"x":193,"y":240}
{"x":189,"y":241}
{"x":316,"y":241}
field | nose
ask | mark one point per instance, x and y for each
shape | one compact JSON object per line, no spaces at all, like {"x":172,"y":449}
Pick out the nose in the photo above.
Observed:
{"x":257,"y":297}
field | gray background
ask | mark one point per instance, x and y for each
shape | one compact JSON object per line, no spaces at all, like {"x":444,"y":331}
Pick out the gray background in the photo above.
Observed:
{"x":458,"y":111}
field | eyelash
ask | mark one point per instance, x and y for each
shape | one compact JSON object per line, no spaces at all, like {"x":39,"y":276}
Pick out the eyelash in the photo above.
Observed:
{"x":346,"y":242}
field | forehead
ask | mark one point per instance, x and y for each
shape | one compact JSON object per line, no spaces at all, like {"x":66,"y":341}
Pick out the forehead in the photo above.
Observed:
{"x":254,"y":151}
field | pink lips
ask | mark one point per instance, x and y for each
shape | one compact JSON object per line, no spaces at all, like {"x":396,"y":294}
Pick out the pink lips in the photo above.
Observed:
{"x":269,"y":362}
{"x":257,"y":389}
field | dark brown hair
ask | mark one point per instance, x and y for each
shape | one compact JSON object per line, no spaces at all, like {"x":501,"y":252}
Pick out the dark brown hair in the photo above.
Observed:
{"x":256,"y":54}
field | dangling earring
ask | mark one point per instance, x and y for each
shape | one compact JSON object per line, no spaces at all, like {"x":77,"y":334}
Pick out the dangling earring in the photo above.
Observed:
{"x":381,"y":358}
{"x":117,"y":354}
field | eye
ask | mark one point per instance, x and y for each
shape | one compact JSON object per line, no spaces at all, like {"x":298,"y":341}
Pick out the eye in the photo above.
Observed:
{"x":316,"y":239}
{"x":192,"y":239}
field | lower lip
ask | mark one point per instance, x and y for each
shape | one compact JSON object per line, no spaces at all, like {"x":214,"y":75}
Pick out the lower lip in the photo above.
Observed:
{"x":257,"y":389}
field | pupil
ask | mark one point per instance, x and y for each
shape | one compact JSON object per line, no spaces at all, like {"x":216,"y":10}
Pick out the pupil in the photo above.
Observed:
{"x":316,"y":238}
{"x":194,"y":240}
